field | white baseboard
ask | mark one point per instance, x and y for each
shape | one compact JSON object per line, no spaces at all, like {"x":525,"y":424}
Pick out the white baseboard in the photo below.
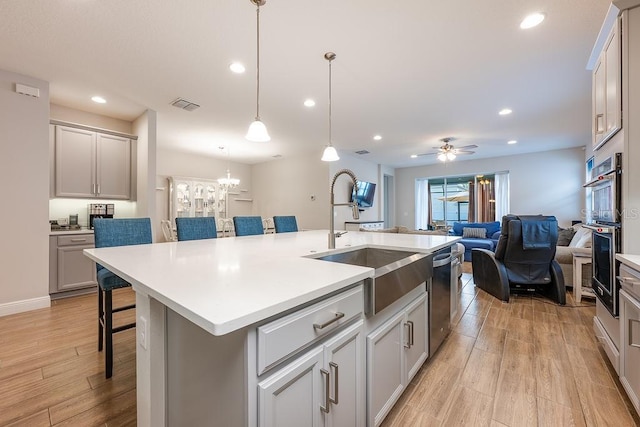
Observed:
{"x":24,"y":305}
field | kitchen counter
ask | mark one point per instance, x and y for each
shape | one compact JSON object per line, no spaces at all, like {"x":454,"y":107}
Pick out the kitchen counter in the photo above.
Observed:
{"x":632,"y":261}
{"x":199,"y":305}
{"x":223,"y":285}
{"x":65,"y":232}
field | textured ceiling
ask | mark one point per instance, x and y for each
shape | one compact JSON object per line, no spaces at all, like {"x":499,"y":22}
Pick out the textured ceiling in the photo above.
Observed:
{"x":413,"y":71}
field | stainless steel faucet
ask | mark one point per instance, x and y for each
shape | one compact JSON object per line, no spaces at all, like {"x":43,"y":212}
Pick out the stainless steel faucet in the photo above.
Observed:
{"x":354,"y":205}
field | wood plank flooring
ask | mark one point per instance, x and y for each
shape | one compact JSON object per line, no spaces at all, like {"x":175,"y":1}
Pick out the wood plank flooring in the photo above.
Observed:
{"x":526,"y":363}
{"x":52,"y":374}
{"x":518,"y":364}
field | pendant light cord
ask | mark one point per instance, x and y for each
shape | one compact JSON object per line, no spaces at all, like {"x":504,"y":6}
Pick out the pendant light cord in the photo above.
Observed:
{"x":330,"y":143}
{"x":258,"y":60}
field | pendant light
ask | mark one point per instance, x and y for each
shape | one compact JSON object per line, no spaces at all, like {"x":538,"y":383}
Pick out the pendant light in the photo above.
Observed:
{"x":330,"y":154}
{"x":257,"y":130}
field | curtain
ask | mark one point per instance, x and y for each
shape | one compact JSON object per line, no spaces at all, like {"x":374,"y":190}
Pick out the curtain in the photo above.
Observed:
{"x":502,"y":195}
{"x":471,"y":215}
{"x":423,"y":204}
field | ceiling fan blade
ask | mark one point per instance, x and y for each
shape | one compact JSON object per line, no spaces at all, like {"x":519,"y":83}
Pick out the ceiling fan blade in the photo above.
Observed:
{"x":467,"y":147}
{"x":456,"y":152}
{"x":426,"y":154}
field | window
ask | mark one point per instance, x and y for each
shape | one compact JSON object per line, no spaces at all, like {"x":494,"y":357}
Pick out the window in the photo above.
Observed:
{"x":442,"y":201}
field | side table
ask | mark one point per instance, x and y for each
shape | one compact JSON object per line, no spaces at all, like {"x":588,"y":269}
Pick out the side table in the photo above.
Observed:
{"x":578,"y":291}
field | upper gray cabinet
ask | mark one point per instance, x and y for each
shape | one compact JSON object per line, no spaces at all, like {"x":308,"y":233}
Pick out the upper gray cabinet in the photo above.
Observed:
{"x":607,"y":88}
{"x":90,"y":164}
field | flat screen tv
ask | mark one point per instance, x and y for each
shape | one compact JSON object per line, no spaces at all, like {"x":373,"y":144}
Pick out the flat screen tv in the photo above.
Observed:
{"x":363,"y":194}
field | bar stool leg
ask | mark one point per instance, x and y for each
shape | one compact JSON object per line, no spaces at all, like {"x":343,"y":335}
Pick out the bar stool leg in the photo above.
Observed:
{"x":108,"y":326}
{"x":100,"y":318}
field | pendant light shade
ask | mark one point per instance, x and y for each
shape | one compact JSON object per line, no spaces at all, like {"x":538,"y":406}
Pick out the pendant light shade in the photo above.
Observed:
{"x":330,"y":154}
{"x":257,"y":130}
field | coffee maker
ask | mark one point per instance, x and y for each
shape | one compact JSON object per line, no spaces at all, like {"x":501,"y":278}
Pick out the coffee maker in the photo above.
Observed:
{"x":99,"y":210}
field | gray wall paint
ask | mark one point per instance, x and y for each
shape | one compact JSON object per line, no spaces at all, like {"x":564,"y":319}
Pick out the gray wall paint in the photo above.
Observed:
{"x":24,"y":172}
{"x":549,"y":182}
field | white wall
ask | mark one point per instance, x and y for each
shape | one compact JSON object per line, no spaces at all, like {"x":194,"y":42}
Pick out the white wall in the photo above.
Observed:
{"x":285,"y":186}
{"x":66,"y":114}
{"x":24,"y":172}
{"x":176,"y":163}
{"x":145,"y":160}
{"x":548,"y":182}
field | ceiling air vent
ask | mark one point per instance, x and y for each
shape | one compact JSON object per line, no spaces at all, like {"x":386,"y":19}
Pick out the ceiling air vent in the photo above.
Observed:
{"x":362,"y":152}
{"x":184,"y":104}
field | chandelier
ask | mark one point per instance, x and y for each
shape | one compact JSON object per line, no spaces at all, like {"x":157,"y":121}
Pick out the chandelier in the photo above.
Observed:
{"x":226,"y":183}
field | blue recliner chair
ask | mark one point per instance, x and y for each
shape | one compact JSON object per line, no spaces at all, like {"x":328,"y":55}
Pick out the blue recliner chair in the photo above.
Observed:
{"x":523,"y":260}
{"x":108,"y":233}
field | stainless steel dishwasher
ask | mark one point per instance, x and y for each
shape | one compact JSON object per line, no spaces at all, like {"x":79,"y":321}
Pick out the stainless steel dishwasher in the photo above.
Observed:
{"x":439,"y":288}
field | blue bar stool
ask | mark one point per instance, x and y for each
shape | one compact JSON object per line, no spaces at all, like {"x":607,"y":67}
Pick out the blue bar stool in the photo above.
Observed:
{"x":248,"y":225}
{"x":108,"y":233}
{"x":285,"y":224}
{"x":196,"y":228}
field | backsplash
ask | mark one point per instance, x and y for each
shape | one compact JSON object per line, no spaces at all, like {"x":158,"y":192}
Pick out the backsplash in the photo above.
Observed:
{"x":62,"y":208}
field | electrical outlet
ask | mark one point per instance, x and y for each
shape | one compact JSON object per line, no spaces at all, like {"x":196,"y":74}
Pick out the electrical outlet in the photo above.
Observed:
{"x":143,"y":331}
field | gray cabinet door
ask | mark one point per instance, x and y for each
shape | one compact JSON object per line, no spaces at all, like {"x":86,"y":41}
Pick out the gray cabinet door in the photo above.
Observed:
{"x":74,"y":269}
{"x":74,"y":162}
{"x":113,"y":167}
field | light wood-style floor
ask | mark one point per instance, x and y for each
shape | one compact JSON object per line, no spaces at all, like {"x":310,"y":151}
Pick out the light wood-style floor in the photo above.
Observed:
{"x":52,"y":374}
{"x":518,"y":364}
{"x":526,"y":363}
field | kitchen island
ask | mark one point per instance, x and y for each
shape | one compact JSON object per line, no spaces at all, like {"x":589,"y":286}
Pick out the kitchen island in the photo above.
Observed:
{"x":209,"y":315}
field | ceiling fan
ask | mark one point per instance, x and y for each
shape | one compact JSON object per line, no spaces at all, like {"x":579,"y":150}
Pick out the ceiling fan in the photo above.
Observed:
{"x":448,"y":152}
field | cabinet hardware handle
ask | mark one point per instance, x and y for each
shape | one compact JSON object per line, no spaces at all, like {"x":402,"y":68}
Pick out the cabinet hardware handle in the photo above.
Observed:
{"x":78,"y":240}
{"x":631,"y":343}
{"x":98,"y":186}
{"x":410,"y":322}
{"x":334,"y":366}
{"x":408,"y":343}
{"x":325,"y":374}
{"x":598,"y":128}
{"x":328,"y":322}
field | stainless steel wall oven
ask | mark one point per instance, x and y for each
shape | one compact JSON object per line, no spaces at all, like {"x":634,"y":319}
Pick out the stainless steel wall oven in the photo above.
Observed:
{"x":605,"y":222}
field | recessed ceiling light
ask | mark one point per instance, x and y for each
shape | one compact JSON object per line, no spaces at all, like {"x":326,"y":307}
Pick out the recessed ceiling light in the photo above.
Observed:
{"x":505,"y":111}
{"x":237,"y":68}
{"x":414,"y":156}
{"x":309,"y":103}
{"x":532,"y":20}
{"x":513,"y":141}
{"x":99,"y":99}
{"x":377,"y":137}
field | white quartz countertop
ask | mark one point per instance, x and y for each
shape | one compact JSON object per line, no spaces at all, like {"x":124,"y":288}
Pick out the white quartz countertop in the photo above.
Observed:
{"x":225,"y":284}
{"x":632,"y":261}
{"x":63,"y":232}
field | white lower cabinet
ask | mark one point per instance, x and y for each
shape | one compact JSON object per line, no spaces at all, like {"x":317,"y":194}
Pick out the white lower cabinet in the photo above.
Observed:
{"x":395,"y":352}
{"x":630,"y":347}
{"x":324,"y":387}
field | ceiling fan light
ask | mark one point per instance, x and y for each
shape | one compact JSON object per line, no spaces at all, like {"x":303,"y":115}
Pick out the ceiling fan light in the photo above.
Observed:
{"x":442,"y":157}
{"x":330,"y":154}
{"x":450,"y":156}
{"x":258,"y":132}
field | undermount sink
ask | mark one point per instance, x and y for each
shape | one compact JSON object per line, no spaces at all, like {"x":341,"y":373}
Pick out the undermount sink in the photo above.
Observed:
{"x":396,"y":273}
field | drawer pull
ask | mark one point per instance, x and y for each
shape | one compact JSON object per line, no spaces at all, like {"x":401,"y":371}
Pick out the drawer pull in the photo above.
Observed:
{"x":328,"y":322}
{"x":78,"y":240}
{"x":325,"y":408}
